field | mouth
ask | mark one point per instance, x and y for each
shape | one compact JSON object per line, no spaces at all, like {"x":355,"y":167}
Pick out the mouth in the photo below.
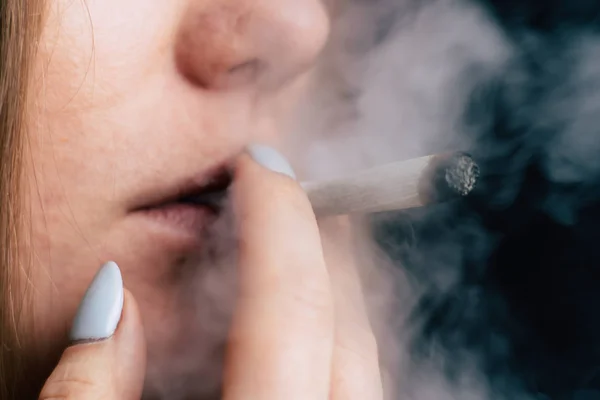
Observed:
{"x":209,"y":191}
{"x":184,"y":210}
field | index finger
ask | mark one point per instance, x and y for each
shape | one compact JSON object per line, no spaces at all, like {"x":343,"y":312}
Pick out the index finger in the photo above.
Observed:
{"x":282,"y":335}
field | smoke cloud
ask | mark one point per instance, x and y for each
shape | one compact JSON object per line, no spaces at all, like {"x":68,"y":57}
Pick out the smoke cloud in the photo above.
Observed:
{"x":515,"y":84}
{"x":455,"y":290}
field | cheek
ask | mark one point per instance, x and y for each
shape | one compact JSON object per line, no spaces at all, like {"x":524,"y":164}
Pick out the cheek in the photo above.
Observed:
{"x":61,"y":232}
{"x":94,"y":51}
{"x":62,"y":266}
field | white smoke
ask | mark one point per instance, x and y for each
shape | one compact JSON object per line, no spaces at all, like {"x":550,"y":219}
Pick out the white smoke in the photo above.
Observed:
{"x":399,"y":99}
{"x":393,"y":84}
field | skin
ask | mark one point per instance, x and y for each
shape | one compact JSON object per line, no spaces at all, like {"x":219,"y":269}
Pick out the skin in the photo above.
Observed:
{"x":129,"y":97}
{"x":293,"y":334}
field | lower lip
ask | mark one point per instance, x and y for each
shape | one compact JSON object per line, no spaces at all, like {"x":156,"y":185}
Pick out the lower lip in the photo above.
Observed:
{"x":180,"y":221}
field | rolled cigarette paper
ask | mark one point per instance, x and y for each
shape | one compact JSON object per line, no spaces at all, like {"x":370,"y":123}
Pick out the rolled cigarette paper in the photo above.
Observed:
{"x":396,"y":186}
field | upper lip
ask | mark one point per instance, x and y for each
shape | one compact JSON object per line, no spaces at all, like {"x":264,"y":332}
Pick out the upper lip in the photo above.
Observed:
{"x":208,"y":187}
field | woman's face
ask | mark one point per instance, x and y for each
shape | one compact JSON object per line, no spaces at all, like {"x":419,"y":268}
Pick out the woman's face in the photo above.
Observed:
{"x":137,"y":102}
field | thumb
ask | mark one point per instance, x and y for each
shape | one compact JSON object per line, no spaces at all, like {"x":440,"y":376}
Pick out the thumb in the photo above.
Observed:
{"x":107,"y":358}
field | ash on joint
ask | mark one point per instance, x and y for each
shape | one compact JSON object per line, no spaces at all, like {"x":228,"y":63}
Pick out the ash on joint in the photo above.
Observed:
{"x":462,"y":174}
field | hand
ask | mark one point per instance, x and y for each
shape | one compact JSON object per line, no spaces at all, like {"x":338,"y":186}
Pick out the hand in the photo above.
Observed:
{"x":104,"y":361}
{"x":299,"y":329}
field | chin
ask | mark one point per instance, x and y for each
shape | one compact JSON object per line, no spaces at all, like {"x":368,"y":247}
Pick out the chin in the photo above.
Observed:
{"x":183,"y":375}
{"x":186,"y":339}
{"x":186,"y":352}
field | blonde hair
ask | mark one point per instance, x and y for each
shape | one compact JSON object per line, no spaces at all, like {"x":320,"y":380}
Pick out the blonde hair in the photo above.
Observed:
{"x":20,"y":22}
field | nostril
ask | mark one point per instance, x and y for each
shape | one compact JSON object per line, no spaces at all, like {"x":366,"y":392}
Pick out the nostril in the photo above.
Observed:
{"x":240,"y":43}
{"x":247,"y":68}
{"x":220,"y":76}
{"x":242,"y":74}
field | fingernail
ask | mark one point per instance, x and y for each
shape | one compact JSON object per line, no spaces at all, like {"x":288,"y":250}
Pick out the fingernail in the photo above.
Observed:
{"x":271,"y":159}
{"x":100,"y":310}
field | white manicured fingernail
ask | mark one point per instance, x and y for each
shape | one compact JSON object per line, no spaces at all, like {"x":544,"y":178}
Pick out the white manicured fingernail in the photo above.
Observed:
{"x":271,"y":159}
{"x":100,"y":310}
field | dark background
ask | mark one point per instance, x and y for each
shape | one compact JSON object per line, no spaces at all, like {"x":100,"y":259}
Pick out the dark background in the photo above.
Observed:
{"x":526,"y":246}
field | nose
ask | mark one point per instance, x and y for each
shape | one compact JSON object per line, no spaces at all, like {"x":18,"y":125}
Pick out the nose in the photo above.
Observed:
{"x":227,"y":44}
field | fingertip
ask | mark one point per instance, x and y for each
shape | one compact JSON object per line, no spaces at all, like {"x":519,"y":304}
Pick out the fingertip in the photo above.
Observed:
{"x":261,"y":164}
{"x":265,"y":186}
{"x":109,"y":367}
{"x":130,"y":344}
{"x":131,"y":320}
